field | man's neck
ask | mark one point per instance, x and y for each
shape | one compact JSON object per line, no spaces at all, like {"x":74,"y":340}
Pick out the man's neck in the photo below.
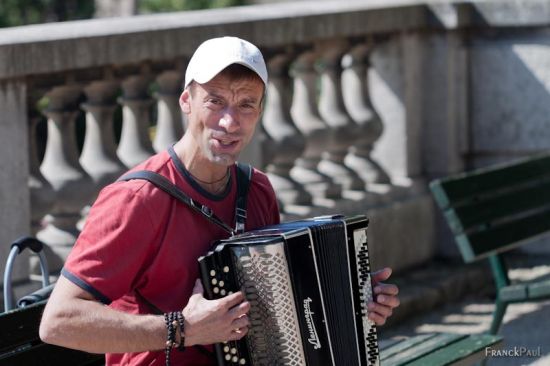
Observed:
{"x":210,"y":176}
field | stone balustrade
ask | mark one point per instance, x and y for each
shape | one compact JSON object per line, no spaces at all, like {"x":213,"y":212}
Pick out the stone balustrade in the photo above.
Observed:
{"x":355,"y":91}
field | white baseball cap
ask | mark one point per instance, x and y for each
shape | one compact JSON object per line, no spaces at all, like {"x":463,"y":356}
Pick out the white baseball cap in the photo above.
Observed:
{"x":215,"y":54}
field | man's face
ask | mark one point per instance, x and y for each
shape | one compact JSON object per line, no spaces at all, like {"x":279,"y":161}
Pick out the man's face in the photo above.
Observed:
{"x":222,"y":115}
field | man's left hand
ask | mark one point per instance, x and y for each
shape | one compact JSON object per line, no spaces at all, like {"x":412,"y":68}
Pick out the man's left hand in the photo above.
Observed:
{"x":385,"y":297}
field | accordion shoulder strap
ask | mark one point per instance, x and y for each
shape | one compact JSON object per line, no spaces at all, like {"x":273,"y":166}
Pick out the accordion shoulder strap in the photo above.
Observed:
{"x":244,"y":176}
{"x":173,"y":190}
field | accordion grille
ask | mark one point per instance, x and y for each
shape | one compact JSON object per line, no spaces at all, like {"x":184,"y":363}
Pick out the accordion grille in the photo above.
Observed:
{"x":274,"y":335}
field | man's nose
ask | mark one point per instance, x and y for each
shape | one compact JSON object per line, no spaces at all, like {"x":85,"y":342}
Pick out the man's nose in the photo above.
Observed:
{"x":229,"y":122}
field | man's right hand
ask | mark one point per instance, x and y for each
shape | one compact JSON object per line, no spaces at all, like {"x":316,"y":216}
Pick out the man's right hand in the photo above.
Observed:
{"x":214,"y":321}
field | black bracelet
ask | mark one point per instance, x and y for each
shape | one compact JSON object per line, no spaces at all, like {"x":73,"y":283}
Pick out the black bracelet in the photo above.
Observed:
{"x":181,"y":323}
{"x":170,"y":335}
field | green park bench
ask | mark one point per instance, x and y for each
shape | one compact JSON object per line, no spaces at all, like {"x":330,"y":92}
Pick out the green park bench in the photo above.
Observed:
{"x":493,"y":210}
{"x":438,"y":349}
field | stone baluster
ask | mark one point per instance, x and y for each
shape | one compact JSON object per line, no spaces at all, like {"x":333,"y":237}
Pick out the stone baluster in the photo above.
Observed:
{"x":72,"y":185}
{"x":42,"y":194}
{"x":98,"y":156}
{"x":357,"y":101}
{"x":331,"y":108}
{"x":169,"y":118}
{"x":135,"y":144}
{"x":306,"y":117}
{"x":287,"y":143}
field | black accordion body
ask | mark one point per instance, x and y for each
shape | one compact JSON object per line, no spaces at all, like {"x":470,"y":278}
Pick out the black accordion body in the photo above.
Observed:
{"x":308,"y":283}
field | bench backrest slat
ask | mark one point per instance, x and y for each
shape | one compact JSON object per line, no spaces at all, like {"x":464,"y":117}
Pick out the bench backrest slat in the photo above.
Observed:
{"x":502,"y":238}
{"x":503,"y":207}
{"x":493,"y":209}
{"x":462,"y":186}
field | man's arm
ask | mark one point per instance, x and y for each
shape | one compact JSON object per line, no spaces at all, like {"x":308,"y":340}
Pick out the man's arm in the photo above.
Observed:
{"x":73,"y":318}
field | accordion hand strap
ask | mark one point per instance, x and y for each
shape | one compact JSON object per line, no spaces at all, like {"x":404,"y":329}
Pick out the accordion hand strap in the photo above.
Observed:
{"x":173,"y":190}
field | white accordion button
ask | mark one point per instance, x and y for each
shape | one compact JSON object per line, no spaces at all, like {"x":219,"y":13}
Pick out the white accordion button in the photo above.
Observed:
{"x":214,"y":281}
{"x":212,"y":273}
{"x":226,"y":269}
{"x":226,"y":349}
{"x":216,"y":290}
{"x":221,"y":283}
{"x":227,"y":357}
{"x":233,"y":351}
{"x":242,"y":361}
{"x":235,"y":359}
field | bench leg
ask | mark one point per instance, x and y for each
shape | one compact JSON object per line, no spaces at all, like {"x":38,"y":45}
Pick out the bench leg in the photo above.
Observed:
{"x":498,"y":314}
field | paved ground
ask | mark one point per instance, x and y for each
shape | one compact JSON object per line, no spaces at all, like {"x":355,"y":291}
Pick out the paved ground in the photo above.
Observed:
{"x":526,"y":326}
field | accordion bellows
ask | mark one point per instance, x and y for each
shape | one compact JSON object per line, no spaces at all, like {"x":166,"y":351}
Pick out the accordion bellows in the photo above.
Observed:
{"x":308,"y":283}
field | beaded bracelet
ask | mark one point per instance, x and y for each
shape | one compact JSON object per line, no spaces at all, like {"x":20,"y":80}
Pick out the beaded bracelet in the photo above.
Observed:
{"x":170,"y":337}
{"x":173,"y":321}
{"x":181,"y":323}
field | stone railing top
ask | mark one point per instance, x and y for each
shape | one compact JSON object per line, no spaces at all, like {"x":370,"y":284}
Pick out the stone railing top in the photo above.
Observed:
{"x":56,"y":47}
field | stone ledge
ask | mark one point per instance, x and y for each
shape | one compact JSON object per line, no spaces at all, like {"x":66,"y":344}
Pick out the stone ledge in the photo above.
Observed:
{"x":56,"y":47}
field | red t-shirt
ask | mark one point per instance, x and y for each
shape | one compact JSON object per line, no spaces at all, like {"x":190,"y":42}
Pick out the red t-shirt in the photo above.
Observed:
{"x":139,"y":238}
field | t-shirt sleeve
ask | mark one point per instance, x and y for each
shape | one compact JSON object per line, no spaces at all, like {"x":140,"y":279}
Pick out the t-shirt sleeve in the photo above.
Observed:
{"x":115,"y":245}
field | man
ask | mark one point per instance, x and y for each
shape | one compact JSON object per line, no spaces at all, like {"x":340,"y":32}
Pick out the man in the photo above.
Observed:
{"x":138,"y":250}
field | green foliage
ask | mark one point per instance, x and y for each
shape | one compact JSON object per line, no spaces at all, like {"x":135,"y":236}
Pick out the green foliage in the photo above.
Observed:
{"x":20,"y":12}
{"x":154,"y":6}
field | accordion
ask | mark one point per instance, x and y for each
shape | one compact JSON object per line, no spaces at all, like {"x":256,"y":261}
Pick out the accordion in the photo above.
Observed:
{"x":308,"y":283}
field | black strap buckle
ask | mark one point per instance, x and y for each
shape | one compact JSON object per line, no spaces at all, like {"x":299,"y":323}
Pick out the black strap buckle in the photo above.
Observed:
{"x":240,"y":212}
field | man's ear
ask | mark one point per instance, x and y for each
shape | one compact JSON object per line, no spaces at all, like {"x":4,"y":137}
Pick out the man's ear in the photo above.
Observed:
{"x":185,"y":101}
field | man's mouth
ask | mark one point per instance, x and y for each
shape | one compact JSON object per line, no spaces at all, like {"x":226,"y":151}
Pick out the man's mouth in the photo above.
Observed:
{"x":224,"y":143}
